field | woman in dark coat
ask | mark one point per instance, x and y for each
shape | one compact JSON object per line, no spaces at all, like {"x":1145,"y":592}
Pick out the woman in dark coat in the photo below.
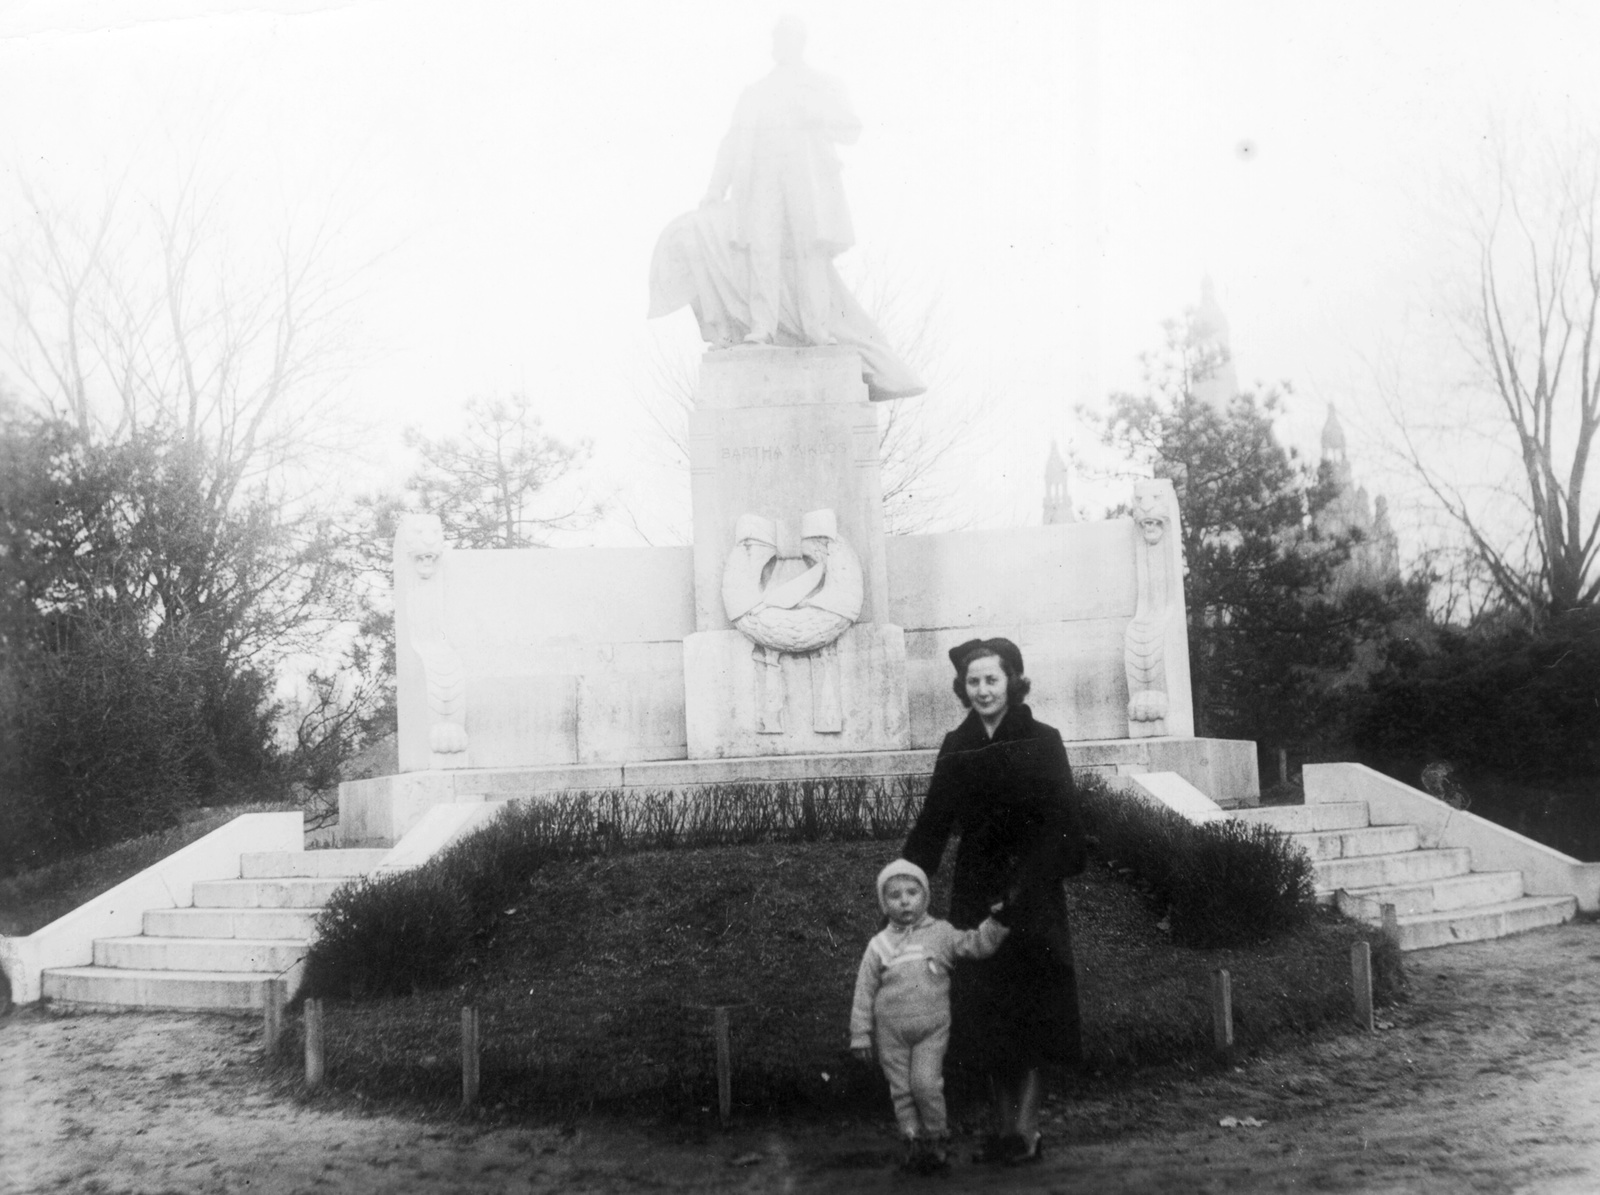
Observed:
{"x":1001,"y":782}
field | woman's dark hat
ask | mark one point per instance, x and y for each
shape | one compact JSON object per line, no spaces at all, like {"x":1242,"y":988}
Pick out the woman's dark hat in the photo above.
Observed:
{"x":1004,"y":648}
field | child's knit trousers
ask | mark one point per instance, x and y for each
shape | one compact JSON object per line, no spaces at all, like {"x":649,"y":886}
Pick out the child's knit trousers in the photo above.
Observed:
{"x":912,"y":1056}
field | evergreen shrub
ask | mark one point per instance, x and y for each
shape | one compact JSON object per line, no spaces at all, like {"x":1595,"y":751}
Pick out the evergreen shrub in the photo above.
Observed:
{"x":1224,"y":883}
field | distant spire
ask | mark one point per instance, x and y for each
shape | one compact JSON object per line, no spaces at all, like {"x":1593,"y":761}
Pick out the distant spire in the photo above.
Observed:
{"x":1057,"y":502}
{"x":1217,"y":383}
{"x":1333,"y":441}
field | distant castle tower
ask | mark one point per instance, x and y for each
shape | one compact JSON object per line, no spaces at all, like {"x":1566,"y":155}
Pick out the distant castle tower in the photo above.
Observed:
{"x":1218,"y":381}
{"x":1057,"y":502}
{"x":1375,"y":559}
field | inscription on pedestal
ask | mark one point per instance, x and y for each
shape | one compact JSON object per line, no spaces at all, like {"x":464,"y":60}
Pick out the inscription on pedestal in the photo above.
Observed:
{"x":777,"y":454}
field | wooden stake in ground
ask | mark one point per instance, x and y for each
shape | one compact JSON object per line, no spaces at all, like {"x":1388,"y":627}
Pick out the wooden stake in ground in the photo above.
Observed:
{"x":1361,"y":982}
{"x":272,"y":1016}
{"x":314,"y":1059}
{"x":1222,"y":1011}
{"x":719,"y":1026}
{"x":1391,"y":923}
{"x":469,"y":1056}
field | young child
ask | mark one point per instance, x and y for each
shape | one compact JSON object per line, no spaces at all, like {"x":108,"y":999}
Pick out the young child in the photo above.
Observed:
{"x":902,"y":1005}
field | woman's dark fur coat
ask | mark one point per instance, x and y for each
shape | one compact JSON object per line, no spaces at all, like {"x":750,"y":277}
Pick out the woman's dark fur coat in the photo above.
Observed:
{"x":1010,"y":799}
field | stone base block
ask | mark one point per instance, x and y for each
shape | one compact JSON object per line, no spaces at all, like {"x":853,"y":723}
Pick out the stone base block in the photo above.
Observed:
{"x":1222,"y":769}
{"x":380,"y":810}
{"x":742,"y":701}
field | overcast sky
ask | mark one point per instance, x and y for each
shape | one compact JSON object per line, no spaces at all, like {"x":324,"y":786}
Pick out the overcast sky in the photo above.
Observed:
{"x":1059,"y":177}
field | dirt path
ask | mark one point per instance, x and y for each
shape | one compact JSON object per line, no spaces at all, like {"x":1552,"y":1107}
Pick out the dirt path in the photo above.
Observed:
{"x":1489,"y":1080}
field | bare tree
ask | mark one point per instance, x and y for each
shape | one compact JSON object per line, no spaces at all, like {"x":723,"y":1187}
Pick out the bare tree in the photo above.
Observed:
{"x":194,"y":370}
{"x":148,"y":316}
{"x":1511,"y":461}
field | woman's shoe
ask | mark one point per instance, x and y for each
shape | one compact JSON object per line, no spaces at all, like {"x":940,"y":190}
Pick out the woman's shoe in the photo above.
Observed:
{"x":1021,"y":1153}
{"x":993,"y":1150}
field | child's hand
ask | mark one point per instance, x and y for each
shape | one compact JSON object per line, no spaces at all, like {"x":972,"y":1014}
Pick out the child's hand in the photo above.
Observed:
{"x":862,"y":1053}
{"x":1003,"y":911}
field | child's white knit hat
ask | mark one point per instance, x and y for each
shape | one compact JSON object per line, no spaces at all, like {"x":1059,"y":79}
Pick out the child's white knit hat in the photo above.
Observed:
{"x":901,"y":867}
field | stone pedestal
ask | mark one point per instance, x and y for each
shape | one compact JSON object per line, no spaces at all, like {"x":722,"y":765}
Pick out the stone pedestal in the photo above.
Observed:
{"x":848,"y":697}
{"x":779,"y":432}
{"x":782,"y":440}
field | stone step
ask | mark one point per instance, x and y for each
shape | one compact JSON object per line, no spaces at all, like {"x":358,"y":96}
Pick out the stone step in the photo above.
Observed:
{"x":199,"y":954}
{"x":1305,"y":819}
{"x":1348,"y":844}
{"x":290,"y":892}
{"x":1438,"y":896}
{"x":221,"y":991}
{"x":1402,"y":869}
{"x":278,"y":864}
{"x":1426,"y":930}
{"x":231,"y":923}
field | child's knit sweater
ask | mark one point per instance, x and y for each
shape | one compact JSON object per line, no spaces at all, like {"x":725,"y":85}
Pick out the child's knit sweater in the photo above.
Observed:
{"x":905,"y":973}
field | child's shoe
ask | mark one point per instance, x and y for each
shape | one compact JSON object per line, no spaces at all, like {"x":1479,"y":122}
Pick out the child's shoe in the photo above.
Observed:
{"x":938,"y":1156}
{"x":912,"y":1162}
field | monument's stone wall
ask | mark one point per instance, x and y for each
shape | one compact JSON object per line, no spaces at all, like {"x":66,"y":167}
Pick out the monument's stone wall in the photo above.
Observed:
{"x":570,"y":656}
{"x":1063,"y":594}
{"x":577,"y":656}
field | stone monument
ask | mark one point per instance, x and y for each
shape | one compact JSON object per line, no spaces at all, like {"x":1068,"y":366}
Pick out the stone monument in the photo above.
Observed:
{"x":793,"y":638}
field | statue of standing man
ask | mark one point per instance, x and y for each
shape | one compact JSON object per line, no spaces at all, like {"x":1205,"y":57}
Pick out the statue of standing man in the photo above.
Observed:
{"x":779,"y":166}
{"x":755,"y":262}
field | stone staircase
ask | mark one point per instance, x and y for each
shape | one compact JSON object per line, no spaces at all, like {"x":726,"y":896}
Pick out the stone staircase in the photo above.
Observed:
{"x":1439,"y":900}
{"x":220,"y":953}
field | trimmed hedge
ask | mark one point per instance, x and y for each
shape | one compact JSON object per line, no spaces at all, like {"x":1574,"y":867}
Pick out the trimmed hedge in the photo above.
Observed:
{"x":1223,"y":883}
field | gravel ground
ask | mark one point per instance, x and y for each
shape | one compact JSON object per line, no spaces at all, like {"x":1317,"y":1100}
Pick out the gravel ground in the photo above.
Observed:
{"x":1488,"y":1080}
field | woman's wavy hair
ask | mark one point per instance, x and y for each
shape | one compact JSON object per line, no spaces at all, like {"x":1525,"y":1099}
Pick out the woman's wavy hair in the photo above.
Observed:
{"x":1018,"y":686}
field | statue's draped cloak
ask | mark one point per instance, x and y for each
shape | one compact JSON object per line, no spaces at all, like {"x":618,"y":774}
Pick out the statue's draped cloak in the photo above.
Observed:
{"x":761,"y":249}
{"x":696,"y":265}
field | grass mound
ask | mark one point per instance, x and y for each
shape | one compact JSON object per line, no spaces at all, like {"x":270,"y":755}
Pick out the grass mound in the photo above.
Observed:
{"x":592,"y":986}
{"x":1224,"y":883}
{"x":399,"y":934}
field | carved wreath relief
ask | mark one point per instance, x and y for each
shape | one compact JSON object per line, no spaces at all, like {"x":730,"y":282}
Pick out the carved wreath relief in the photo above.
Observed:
{"x":420,"y":554}
{"x":793,"y":606}
{"x":1144,"y":646}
